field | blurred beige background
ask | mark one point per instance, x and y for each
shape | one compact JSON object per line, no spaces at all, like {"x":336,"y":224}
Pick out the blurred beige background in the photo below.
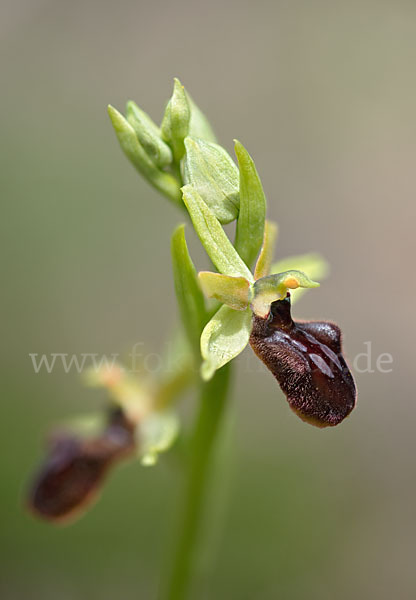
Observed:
{"x":323,"y":95}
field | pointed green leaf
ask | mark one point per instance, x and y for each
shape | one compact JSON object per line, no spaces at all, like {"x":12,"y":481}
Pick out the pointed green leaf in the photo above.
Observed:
{"x":199,"y":126}
{"x":156,"y":433}
{"x":224,"y":337}
{"x":232,"y":291}
{"x":314,"y":264}
{"x":267,"y":250}
{"x":214,"y":175}
{"x":149,"y":135}
{"x":275,"y":287}
{"x":212,"y":236}
{"x":164,"y":182}
{"x":251,"y":218}
{"x":188,"y":293}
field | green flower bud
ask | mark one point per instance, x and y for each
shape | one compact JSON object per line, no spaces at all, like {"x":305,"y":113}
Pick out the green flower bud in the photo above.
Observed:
{"x":164,"y":182}
{"x":214,"y":175}
{"x":149,"y":135}
{"x":175,"y":123}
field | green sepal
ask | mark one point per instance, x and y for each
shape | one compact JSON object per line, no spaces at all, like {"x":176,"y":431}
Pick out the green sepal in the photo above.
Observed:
{"x":156,"y":433}
{"x":188,"y":292}
{"x":214,"y":175}
{"x":275,"y":287}
{"x":265,"y":258}
{"x":252,"y":215}
{"x":126,"y":135}
{"x":235,"y":292}
{"x":314,"y":264}
{"x":175,"y":123}
{"x":224,"y":337}
{"x":149,"y":135}
{"x":212,"y":236}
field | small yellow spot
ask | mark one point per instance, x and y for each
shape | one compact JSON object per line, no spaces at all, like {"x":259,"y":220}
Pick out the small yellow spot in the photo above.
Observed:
{"x":291,"y":283}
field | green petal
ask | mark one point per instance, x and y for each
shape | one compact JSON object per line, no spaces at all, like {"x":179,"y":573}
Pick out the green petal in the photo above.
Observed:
{"x":224,"y":337}
{"x":314,"y":264}
{"x":251,"y":218}
{"x":212,"y":236}
{"x":275,"y":287}
{"x":267,"y":250}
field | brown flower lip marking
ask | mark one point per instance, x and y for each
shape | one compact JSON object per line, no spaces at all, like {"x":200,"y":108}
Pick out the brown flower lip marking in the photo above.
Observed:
{"x":75,"y":469}
{"x":306,"y":359}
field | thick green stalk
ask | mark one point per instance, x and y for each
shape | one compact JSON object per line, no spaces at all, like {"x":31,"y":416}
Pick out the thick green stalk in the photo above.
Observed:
{"x":213,"y":400}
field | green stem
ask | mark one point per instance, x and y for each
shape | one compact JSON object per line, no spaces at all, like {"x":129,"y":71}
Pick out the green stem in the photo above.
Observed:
{"x":212,"y":404}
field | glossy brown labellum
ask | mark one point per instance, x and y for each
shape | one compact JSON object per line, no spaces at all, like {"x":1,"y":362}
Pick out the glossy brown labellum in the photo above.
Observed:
{"x":75,"y":468}
{"x":307,"y":361}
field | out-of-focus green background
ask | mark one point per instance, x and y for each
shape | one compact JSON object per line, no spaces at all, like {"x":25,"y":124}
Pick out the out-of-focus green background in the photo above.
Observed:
{"x":323,"y":94}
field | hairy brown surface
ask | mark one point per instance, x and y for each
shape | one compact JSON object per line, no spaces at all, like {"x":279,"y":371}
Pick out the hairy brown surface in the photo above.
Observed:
{"x":306,"y":359}
{"x":75,"y":468}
